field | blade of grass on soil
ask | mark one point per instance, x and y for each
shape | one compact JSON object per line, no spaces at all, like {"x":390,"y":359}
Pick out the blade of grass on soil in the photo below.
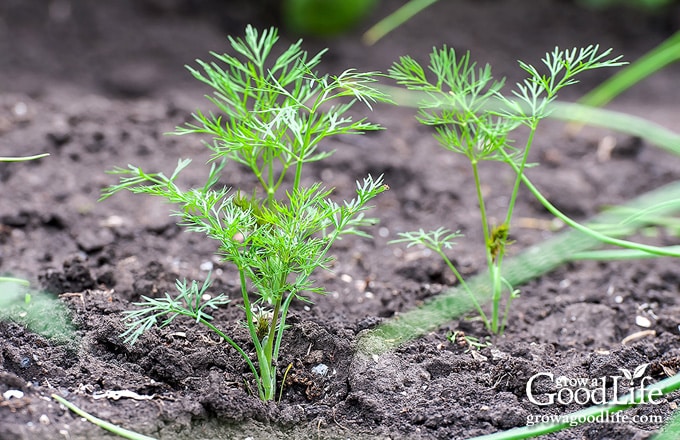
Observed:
{"x":115,"y":429}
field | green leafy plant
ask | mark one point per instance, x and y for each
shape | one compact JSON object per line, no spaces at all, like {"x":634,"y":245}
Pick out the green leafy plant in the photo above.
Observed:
{"x":473,"y":118}
{"x":273,"y":116}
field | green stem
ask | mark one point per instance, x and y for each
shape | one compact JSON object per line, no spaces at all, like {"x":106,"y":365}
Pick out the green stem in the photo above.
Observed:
{"x":394,"y":20}
{"x":482,"y":207}
{"x":462,"y":282}
{"x":668,"y":251}
{"x":15,"y":280}
{"x":240,"y":351}
{"x":489,"y":258}
{"x":497,"y":287}
{"x":522,"y":166}
{"x":506,"y":313}
{"x":282,"y":325}
{"x":114,"y":429}
{"x":264,"y":366}
{"x":269,"y":352}
{"x":498,"y":261}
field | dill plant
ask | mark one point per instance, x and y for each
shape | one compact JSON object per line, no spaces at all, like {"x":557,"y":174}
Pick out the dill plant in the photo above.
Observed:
{"x":472,"y":117}
{"x":272,"y":115}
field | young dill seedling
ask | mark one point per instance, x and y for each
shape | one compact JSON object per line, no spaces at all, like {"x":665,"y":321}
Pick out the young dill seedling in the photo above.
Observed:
{"x":273,"y":116}
{"x":473,"y":118}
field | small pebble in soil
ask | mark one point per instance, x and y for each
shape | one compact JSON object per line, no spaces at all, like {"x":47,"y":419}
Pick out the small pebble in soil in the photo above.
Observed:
{"x":12,"y":394}
{"x":20,"y":109}
{"x":643,"y":321}
{"x":618,"y":299}
{"x":44,"y":419}
{"x":25,"y":362}
{"x":321,"y":369}
{"x":206,"y":266}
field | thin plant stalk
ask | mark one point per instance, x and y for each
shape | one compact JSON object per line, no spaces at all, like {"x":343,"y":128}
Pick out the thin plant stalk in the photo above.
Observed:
{"x":114,"y":429}
{"x":22,"y":158}
{"x":660,"y":251}
{"x":666,"y":53}
{"x":19,"y":281}
{"x":394,"y":20}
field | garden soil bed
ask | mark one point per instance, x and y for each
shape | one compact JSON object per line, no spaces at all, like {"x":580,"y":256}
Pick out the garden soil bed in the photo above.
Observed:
{"x":98,"y":85}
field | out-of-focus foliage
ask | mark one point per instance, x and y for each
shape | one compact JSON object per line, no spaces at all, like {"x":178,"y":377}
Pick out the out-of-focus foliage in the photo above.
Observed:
{"x":642,"y":4}
{"x":40,"y":312}
{"x":324,"y":17}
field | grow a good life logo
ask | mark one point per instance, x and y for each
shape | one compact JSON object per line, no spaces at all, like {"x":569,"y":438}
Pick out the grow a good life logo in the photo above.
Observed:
{"x":544,"y":389}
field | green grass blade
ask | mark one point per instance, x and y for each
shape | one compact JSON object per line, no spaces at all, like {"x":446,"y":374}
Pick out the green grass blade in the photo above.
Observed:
{"x":22,"y":159}
{"x":115,"y":429}
{"x":672,"y":429}
{"x":617,"y":121}
{"x":617,"y":254}
{"x":664,"y":54}
{"x":19,"y":281}
{"x":394,"y":20}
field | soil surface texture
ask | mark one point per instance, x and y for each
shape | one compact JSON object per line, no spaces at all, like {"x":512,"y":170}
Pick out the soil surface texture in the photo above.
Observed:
{"x":98,"y":84}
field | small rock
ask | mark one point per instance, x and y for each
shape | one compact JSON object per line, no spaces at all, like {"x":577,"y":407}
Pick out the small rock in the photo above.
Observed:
{"x":93,"y":240}
{"x":13,"y":394}
{"x":643,"y":321}
{"x":321,"y":370}
{"x":60,"y":132}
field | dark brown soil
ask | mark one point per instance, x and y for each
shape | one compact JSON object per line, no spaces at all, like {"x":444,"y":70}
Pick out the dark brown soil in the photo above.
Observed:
{"x":96,"y":84}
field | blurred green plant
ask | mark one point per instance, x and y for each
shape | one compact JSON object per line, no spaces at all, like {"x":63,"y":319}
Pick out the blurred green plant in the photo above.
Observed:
{"x":651,"y":5}
{"x":38,"y":311}
{"x":324,"y":17}
{"x":394,"y":20}
{"x":656,"y":59}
